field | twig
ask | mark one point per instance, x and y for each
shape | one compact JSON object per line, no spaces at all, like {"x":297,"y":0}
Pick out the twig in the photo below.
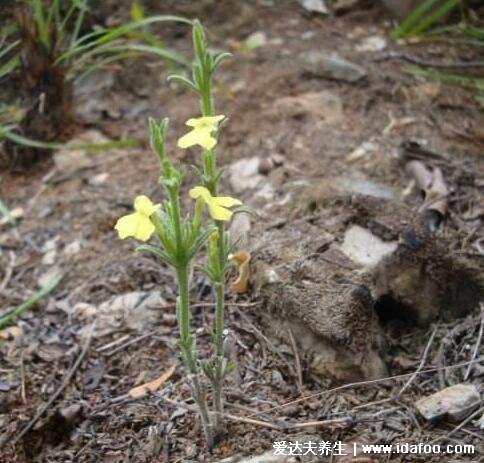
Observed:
{"x":297,"y":360}
{"x":454,"y":332}
{"x":461,"y":425}
{"x":113,"y":343}
{"x":364,"y":383}
{"x":129,"y":343}
{"x":266,"y":424}
{"x":243,"y":419}
{"x":421,"y":365}
{"x":65,"y":382}
{"x":346,"y":421}
{"x":478,"y":343}
{"x":432,"y":64}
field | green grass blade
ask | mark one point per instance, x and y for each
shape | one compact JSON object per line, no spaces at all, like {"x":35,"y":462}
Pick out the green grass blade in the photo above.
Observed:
{"x":78,"y":78}
{"x":79,"y":20}
{"x":161,"y":52}
{"x":40,"y":21}
{"x":9,"y":66}
{"x":29,"y":303}
{"x":6,"y":132}
{"x":413,"y":18}
{"x":125,"y":28}
{"x":434,"y":17}
{"x":473,"y":83}
{"x":104,"y":37}
{"x":422,"y":17}
{"x":9,"y":48}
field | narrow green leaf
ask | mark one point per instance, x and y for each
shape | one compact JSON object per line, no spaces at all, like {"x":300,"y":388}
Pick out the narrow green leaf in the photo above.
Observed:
{"x":182,"y":80}
{"x":434,"y":17}
{"x":423,"y":17}
{"x":29,"y":303}
{"x":163,"y":256}
{"x":6,"y":132}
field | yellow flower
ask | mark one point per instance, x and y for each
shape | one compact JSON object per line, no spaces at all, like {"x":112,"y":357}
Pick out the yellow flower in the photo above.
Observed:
{"x":217,"y":205}
{"x":138,"y":225}
{"x":201,"y":134}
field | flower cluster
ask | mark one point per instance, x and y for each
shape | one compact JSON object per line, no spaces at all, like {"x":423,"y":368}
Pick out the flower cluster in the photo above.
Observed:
{"x":140,"y":224}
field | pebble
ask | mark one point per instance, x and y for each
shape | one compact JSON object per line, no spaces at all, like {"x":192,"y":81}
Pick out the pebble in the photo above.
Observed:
{"x":315,"y":6}
{"x":332,"y":67}
{"x":373,"y":43}
{"x":454,"y":403}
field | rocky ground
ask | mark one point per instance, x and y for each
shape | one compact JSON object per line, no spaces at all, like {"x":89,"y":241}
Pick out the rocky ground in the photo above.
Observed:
{"x":366,"y":254}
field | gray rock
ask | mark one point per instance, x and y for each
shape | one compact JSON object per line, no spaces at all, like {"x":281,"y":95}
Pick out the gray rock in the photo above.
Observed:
{"x":333,"y":67}
{"x":454,"y":403}
{"x":315,"y":6}
{"x":365,"y":248}
{"x":480,"y":423}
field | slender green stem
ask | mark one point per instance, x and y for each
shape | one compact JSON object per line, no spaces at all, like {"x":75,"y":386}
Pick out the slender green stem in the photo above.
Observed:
{"x":176,"y":218}
{"x":183,"y":307}
{"x":188,"y":353}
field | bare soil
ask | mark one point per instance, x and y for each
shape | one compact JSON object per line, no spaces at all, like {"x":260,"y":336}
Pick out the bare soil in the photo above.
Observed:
{"x":72,"y":215}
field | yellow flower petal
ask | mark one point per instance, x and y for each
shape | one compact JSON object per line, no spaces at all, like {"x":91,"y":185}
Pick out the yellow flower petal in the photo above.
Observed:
{"x":206,"y":121}
{"x":144,"y":206}
{"x":138,"y":225}
{"x":218,"y":212}
{"x":200,"y":137}
{"x":226,"y":201}
{"x":144,"y":229}
{"x":203,"y":127}
{"x":200,"y":191}
{"x":126,"y":225}
{"x":135,"y":226}
{"x":217,"y":206}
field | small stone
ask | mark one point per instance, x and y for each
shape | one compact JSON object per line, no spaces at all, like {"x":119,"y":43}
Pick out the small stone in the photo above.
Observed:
{"x":454,"y":403}
{"x":71,"y":412}
{"x":244,"y":174}
{"x":99,"y":179}
{"x":73,"y":248}
{"x":332,"y":67}
{"x":373,"y":43}
{"x":480,"y":423}
{"x":315,"y":6}
{"x":365,"y":248}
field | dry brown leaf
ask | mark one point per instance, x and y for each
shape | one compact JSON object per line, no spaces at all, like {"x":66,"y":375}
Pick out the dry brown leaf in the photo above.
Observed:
{"x":432,"y":183}
{"x":242,"y":259}
{"x":139,"y":391}
{"x":11,"y":332}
